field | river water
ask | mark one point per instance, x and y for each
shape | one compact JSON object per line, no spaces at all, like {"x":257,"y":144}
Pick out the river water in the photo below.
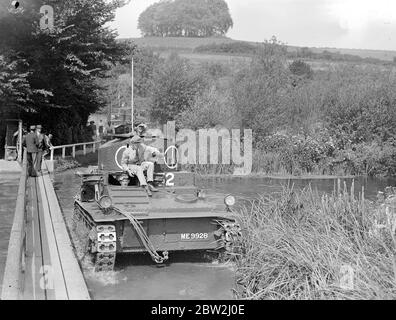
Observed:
{"x":8,"y":194}
{"x":187,"y":276}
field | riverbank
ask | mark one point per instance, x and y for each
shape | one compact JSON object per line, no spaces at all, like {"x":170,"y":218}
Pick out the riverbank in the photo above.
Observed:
{"x":276,"y":177}
{"x":303,"y":245}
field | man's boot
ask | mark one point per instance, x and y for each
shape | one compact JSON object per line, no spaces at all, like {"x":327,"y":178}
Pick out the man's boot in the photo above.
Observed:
{"x":148,"y":191}
{"x":151,"y":187}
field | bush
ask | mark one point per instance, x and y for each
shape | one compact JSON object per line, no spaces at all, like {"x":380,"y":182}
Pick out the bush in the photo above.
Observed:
{"x":301,"y":69}
{"x":176,"y":84}
{"x":298,"y":154}
{"x":237,"y":47}
{"x":209,"y":110}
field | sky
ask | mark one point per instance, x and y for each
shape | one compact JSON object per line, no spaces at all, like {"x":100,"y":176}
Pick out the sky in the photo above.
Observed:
{"x":357,"y":24}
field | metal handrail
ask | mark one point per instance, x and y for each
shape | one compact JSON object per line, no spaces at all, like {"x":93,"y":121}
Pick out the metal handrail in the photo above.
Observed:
{"x":73,"y":146}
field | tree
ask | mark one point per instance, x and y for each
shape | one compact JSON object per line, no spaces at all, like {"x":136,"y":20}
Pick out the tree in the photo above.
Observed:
{"x":175,"y":87}
{"x":260,"y":89}
{"x":63,"y":65}
{"x":15,"y":90}
{"x":186,"y":18}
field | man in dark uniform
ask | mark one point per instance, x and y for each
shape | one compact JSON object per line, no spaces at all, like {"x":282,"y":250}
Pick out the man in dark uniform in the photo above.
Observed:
{"x":31,"y":142}
{"x":42,"y":146}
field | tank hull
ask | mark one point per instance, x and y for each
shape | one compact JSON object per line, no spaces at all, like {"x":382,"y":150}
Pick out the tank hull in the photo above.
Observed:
{"x":201,"y":231}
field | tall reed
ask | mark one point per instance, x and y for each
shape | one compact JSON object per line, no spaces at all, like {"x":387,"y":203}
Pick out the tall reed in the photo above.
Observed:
{"x":302,"y":245}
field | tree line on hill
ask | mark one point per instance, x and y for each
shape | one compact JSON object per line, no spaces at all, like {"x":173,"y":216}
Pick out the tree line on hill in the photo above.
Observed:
{"x":186,"y":18}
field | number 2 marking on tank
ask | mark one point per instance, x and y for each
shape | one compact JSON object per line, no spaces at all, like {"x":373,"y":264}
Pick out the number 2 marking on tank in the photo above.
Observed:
{"x":169,"y":178}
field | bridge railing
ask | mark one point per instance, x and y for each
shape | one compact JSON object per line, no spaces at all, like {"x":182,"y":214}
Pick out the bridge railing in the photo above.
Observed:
{"x":13,"y":274}
{"x":92,"y":145}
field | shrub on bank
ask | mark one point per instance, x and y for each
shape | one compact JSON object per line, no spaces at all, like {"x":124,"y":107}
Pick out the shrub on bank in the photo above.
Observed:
{"x":301,"y":245}
{"x":237,"y":47}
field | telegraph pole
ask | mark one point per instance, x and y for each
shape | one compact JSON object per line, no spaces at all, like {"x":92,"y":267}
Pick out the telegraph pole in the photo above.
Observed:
{"x":132,"y":106}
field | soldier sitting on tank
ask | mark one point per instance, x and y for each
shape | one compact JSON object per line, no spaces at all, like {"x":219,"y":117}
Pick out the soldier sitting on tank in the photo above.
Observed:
{"x":135,"y":160}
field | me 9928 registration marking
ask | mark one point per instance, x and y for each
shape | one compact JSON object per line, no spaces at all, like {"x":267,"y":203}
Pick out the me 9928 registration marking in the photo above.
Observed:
{"x":194,"y":236}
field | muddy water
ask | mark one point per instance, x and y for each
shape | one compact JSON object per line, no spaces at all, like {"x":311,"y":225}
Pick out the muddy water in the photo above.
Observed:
{"x":186,"y":276}
{"x":8,"y":194}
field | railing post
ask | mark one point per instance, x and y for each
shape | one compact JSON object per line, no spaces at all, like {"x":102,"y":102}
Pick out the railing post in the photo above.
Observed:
{"x":63,"y":153}
{"x":52,"y":154}
{"x":74,"y":152}
{"x":94,"y":147}
{"x":85,"y":149}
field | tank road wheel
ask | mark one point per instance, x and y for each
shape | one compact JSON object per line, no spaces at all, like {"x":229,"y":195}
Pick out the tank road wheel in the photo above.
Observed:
{"x":106,"y":248}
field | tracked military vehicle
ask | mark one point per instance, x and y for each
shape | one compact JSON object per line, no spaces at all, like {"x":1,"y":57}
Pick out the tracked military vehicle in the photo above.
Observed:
{"x":115,"y":215}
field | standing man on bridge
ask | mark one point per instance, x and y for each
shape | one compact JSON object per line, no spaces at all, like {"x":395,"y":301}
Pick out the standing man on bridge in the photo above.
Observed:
{"x":42,"y":146}
{"x":31,"y":142}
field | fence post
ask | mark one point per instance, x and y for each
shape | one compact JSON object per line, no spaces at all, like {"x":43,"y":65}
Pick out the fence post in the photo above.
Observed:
{"x":52,"y":154}
{"x":74,"y":152}
{"x":85,"y":149}
{"x":63,"y":152}
{"x":94,"y":147}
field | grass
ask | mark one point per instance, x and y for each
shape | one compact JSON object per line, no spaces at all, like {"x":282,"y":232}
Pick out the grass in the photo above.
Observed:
{"x":300,"y":245}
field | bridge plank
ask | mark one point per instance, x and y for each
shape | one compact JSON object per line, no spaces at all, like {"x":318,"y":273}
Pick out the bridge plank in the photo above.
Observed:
{"x":54,"y":284}
{"x":58,"y":282}
{"x":34,"y":258}
{"x":74,"y":279}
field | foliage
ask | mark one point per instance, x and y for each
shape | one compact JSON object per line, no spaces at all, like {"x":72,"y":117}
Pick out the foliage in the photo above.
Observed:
{"x":15,"y":91}
{"x":118,"y":82}
{"x":186,"y":18}
{"x":260,"y":89}
{"x":299,"y":245}
{"x":63,"y":65}
{"x":209,"y":110}
{"x":175,"y":86}
{"x":336,"y":121}
{"x":236,"y":47}
{"x":301,"y":69}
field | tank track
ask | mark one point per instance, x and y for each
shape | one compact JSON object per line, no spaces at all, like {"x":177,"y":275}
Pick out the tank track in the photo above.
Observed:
{"x":97,"y":241}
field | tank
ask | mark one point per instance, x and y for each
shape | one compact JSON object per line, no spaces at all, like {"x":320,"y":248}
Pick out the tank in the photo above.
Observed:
{"x":113,"y":213}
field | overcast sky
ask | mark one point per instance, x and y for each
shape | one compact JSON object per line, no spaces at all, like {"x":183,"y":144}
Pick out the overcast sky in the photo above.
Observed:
{"x":365,"y":24}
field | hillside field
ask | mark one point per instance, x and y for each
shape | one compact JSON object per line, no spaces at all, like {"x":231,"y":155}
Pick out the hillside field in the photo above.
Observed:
{"x":188,"y":45}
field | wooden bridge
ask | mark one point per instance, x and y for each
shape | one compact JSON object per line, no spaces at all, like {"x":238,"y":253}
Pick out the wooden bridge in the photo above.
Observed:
{"x":41,"y":263}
